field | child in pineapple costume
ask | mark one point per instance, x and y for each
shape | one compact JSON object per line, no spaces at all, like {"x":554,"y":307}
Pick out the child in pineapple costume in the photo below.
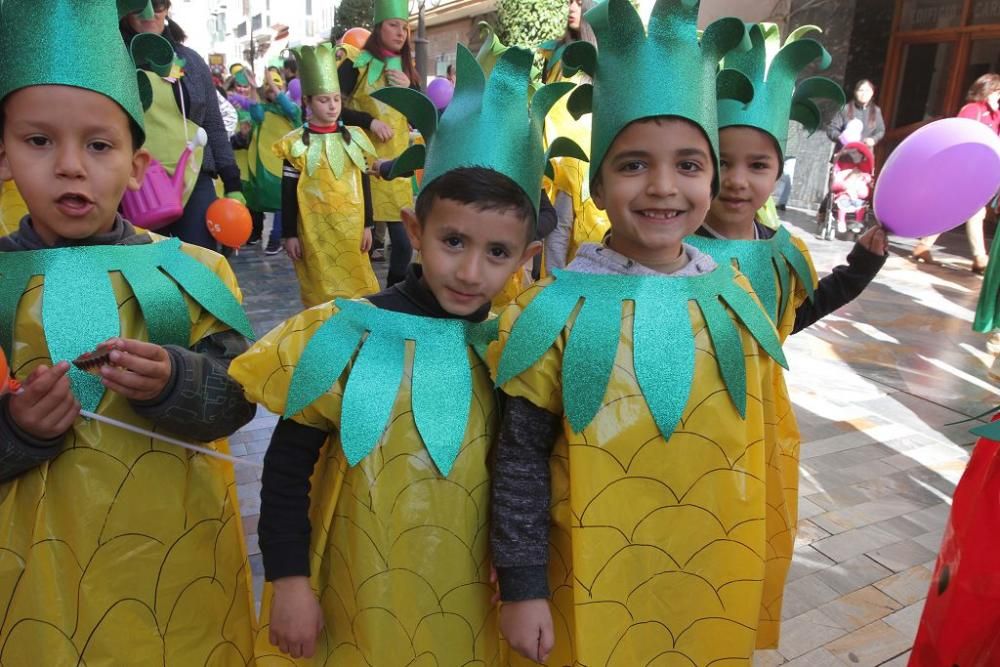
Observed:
{"x":375,"y":492}
{"x":12,"y":208}
{"x":629,"y":500}
{"x":386,"y":61}
{"x":274,"y":116}
{"x":579,"y":219}
{"x":117,"y":548}
{"x":752,"y":140}
{"x":326,"y":198}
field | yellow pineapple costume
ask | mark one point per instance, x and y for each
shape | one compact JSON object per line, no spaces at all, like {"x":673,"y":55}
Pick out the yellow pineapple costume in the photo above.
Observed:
{"x":388,"y":196}
{"x":399,"y":506}
{"x":782,"y":274}
{"x":12,"y":208}
{"x":331,"y":214}
{"x":658,"y":507}
{"x":779,"y":268}
{"x":121,"y":549}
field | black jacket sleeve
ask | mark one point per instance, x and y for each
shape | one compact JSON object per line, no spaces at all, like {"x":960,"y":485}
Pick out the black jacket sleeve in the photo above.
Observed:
{"x":839,"y":288}
{"x":200,"y":400}
{"x":19,"y":451}
{"x":284,"y":528}
{"x":290,"y":199}
{"x":366,"y":192}
{"x":546,"y":217}
{"x":519,"y":533}
{"x":837,"y":125}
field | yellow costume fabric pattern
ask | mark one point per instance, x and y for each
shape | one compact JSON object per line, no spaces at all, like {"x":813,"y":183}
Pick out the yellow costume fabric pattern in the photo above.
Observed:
{"x":121,"y":549}
{"x":590,"y":223}
{"x":657,"y":547}
{"x":12,"y":208}
{"x":165,"y":132}
{"x":388,"y":197}
{"x":399,"y":554}
{"x":331,"y":224}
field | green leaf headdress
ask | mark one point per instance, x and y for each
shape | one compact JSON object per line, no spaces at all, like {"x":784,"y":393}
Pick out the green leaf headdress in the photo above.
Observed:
{"x":391,"y":9}
{"x":73,"y":43}
{"x":664,"y":71}
{"x":488,"y":124}
{"x":772,"y":69}
{"x":317,"y":69}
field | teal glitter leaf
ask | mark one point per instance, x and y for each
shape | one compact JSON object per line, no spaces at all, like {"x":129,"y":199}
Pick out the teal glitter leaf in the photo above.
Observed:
{"x":314,"y":156}
{"x":663,"y":338}
{"x":989,"y":431}
{"x":590,"y":351}
{"x":441,"y":395}
{"x":759,"y":260}
{"x":370,"y":393}
{"x":299,"y":148}
{"x":333,"y":146}
{"x":65,"y":306}
{"x":482,"y":334}
{"x":728,"y":350}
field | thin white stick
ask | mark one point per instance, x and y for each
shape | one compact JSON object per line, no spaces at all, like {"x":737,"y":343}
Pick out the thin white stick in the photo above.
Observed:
{"x":172,"y":441}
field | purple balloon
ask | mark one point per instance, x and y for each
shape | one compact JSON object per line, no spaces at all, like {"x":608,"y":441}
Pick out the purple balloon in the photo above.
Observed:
{"x":938,"y":177}
{"x":440,"y":91}
{"x":295,"y":90}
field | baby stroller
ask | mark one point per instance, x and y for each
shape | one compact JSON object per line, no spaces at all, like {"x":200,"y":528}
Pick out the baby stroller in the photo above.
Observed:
{"x":852,"y":180}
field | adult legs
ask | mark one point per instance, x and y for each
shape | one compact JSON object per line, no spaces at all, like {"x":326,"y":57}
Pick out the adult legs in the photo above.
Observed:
{"x":400,"y":254}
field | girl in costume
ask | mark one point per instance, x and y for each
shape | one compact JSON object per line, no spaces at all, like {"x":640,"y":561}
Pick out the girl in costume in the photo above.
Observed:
{"x":183,"y":100}
{"x":752,"y":141}
{"x":326,"y":199}
{"x":385,"y":61}
{"x":117,"y":548}
{"x":376,"y":485}
{"x":579,"y":219}
{"x":628,"y":488}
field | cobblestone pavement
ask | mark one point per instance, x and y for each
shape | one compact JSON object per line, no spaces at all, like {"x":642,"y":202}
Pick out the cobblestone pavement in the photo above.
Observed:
{"x":875,"y":387}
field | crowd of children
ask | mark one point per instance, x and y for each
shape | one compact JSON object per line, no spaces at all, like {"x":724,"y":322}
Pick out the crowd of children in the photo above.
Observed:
{"x":603,"y":471}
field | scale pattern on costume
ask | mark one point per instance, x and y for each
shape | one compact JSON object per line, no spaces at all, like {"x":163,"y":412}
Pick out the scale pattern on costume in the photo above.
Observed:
{"x":395,"y":589}
{"x":658,"y":548}
{"x":331,"y":223}
{"x":120,"y":537}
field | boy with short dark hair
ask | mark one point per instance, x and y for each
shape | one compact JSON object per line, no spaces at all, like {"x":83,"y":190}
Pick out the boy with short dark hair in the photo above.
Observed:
{"x":375,"y":491}
{"x":118,"y":548}
{"x":628,"y":485}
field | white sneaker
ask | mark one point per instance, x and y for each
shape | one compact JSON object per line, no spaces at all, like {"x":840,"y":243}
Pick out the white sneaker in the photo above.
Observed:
{"x":841,"y":227}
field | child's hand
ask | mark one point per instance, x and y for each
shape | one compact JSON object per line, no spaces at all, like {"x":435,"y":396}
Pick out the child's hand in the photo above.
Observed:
{"x":138,"y":371}
{"x":46,"y":409}
{"x":397,"y":78}
{"x":366,"y":240}
{"x":293,"y":247}
{"x":381,"y":131}
{"x":376,"y":168}
{"x":875,"y":241}
{"x":527,"y":625}
{"x":296,"y":617}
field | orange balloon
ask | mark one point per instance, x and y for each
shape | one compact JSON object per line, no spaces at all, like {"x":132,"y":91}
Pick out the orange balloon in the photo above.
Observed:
{"x":356,"y":37}
{"x":229,"y":222}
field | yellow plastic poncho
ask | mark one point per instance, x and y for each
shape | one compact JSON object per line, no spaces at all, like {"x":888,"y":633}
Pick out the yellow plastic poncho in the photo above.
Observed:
{"x":781,"y":428}
{"x":122,"y":550}
{"x":388,"y":197}
{"x":12,"y":208}
{"x":331,"y":224}
{"x":657,"y":547}
{"x":399,"y":554}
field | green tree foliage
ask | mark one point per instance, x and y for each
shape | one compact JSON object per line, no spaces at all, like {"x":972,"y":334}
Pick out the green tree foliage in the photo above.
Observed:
{"x":530,"y":22}
{"x":352,"y":14}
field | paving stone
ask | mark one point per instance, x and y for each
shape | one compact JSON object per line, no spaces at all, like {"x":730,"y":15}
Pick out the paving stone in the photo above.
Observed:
{"x":865,"y":514}
{"x":807,"y":561}
{"x":818,"y":658}
{"x":769,"y":658}
{"x":808,"y":532}
{"x":807,"y":632}
{"x":853,"y":574}
{"x":907,"y":587}
{"x":902,"y":555}
{"x":851,"y":543}
{"x":858,"y":609}
{"x":907,"y":619}
{"x":902,"y":660}
{"x":869,"y":646}
{"x":804,"y":594}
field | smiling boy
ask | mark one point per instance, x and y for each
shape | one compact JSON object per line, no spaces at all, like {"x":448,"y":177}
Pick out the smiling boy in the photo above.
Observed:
{"x":108,"y":535}
{"x":375,"y":500}
{"x":628,"y":497}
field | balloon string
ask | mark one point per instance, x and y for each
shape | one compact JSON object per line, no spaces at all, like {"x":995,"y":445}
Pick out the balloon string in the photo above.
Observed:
{"x":165,"y":438}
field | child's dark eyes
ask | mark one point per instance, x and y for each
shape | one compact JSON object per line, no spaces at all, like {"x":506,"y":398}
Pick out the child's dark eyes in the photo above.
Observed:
{"x":38,"y":141}
{"x":689,"y":166}
{"x":760,"y":166}
{"x":631,"y":166}
{"x":452,"y":242}
{"x":100,"y":146}
{"x":499,"y":252}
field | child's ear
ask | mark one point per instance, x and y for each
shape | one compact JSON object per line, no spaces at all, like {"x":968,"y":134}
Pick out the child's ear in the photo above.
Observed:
{"x":5,"y":173}
{"x":140,"y":162}
{"x":412,"y":225}
{"x":597,"y":193}
{"x":533,"y":249}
